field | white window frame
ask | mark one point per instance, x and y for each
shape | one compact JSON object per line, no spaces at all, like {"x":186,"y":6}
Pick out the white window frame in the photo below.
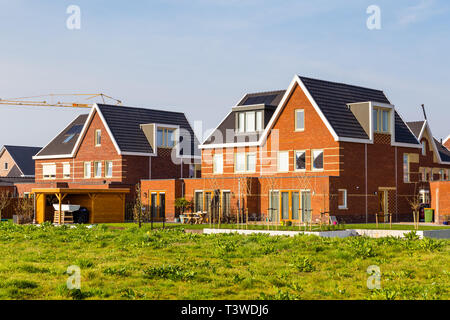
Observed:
{"x":89,"y":174}
{"x":378,"y":126}
{"x":424,"y":148}
{"x":250,"y":126}
{"x":98,"y":165}
{"x":66,"y":175}
{"x":279,"y":169}
{"x":297,"y":111}
{"x":106,"y":169}
{"x":218,"y":163}
{"x":313,"y":157}
{"x":236,"y":156}
{"x":259,"y":121}
{"x":343,"y":206}
{"x":51,"y":176}
{"x":295,"y":160}
{"x":98,"y":138}
{"x":251,"y":154}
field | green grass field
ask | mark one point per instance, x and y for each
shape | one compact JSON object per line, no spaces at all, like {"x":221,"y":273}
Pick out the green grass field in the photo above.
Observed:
{"x":126,"y":262}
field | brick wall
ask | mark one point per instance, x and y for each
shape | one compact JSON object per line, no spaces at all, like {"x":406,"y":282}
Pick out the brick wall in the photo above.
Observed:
{"x":440,"y":200}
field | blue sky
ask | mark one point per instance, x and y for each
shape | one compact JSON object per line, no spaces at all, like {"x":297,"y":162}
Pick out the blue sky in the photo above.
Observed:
{"x":200,"y":56}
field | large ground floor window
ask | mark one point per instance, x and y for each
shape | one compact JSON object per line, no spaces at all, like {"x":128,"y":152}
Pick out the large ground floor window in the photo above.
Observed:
{"x":290,"y":205}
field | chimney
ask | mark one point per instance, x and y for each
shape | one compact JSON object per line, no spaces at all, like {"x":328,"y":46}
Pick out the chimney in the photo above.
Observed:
{"x":424,"y":113}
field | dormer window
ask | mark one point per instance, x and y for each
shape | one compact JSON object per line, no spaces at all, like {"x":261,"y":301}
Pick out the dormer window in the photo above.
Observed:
{"x":249,"y":121}
{"x":380,"y":118}
{"x":165,"y":137}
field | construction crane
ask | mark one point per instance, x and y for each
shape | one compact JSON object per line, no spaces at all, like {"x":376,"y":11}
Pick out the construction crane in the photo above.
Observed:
{"x":50,"y":102}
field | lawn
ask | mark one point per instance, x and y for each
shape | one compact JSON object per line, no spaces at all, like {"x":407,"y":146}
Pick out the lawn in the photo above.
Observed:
{"x":133,"y":263}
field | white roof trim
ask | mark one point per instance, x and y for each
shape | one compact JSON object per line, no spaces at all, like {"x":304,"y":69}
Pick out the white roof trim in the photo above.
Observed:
{"x":431,"y":137}
{"x":445,"y":140}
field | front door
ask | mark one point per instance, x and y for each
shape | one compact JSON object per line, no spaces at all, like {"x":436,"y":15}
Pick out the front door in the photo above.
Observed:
{"x":306,"y":206}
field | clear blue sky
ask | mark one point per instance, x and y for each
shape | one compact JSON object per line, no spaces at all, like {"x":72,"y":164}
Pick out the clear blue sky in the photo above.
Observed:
{"x":201,"y":56}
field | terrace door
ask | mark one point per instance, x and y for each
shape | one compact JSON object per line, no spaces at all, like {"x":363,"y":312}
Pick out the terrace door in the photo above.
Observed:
{"x":162,"y":205}
{"x":208,"y":200}
{"x":154,"y":205}
{"x":274,"y":209}
{"x":285,"y":205}
{"x":306,"y":206}
{"x":226,"y":205}
{"x":295,"y":200}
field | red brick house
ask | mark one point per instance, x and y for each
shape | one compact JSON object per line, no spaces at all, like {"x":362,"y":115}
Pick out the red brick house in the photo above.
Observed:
{"x":446,"y":142}
{"x":116,"y":147}
{"x":318,"y":146}
{"x":17,"y":161}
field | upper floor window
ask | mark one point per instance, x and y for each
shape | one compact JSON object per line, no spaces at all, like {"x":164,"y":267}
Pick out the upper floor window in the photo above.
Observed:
{"x":406,"y":177}
{"x":108,"y":169}
{"x":300,"y":160}
{"x":299,"y":120}
{"x":87,"y":170}
{"x":165,"y":137}
{"x":283,"y":161}
{"x":5,"y":166}
{"x":249,"y":121}
{"x":98,"y":138}
{"x":49,"y":171}
{"x":245,"y":162}
{"x":424,"y":147}
{"x":97,"y":169}
{"x":66,"y":170}
{"x":380,"y":119}
{"x":218,"y":163}
{"x":317,"y":160}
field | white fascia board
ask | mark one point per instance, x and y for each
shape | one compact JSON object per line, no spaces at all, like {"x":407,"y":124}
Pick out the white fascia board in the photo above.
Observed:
{"x":95,"y":107}
{"x":230,"y":145}
{"x":141,"y":154}
{"x":407,"y":145}
{"x":430,"y":135}
{"x":58,"y":156}
{"x":422,"y":130}
{"x":356,"y":140}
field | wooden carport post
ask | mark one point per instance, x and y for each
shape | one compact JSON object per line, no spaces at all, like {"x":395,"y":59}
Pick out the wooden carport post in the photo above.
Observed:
{"x":92,"y":196}
{"x":60,"y":198}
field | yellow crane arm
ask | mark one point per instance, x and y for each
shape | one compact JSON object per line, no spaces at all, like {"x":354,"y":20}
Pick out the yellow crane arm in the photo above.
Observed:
{"x":23,"y":101}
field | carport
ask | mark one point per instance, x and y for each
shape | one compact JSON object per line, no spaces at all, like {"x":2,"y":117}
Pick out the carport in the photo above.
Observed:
{"x":104,"y":205}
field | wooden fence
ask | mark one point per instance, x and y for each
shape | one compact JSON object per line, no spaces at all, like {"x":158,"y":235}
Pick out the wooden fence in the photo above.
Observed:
{"x":10,"y":210}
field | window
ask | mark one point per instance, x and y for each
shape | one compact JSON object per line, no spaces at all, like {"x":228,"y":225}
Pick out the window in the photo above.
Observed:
{"x":259,"y":121}
{"x":283,"y":161}
{"x":240,"y":162}
{"x":68,"y":138}
{"x":87,"y":170}
{"x":299,"y":120}
{"x":108,"y":169}
{"x":218,"y":163}
{"x":98,"y":138}
{"x":198,"y":201}
{"x":300,"y":160}
{"x":442,"y":174}
{"x":241,"y":122}
{"x":424,"y":196}
{"x":251,"y":162}
{"x":406,"y":168}
{"x":250,"y":121}
{"x":66,"y":170}
{"x":380,"y":118}
{"x":317,"y":160}
{"x":6,"y":166}
{"x":165,"y":137}
{"x":49,"y":171}
{"x":424,"y":148}
{"x":97,"y":169}
{"x":342,"y":198}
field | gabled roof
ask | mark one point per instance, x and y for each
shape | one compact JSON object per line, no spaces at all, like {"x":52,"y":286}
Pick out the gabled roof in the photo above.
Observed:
{"x":418,"y":128}
{"x":124,"y":127}
{"x":124,"y":124}
{"x":331,"y":100}
{"x":23,"y":157}
{"x":64,"y":143}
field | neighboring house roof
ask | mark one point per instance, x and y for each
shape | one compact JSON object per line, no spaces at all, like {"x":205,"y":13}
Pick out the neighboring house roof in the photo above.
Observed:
{"x":23,"y":157}
{"x":331,"y":100}
{"x":124,"y":126}
{"x":64,"y":143}
{"x":418,"y":128}
{"x":125,"y":122}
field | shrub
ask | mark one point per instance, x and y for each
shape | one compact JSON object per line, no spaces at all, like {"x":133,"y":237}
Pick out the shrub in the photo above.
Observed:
{"x":361,"y":248}
{"x":304,"y":265}
{"x":112,"y":271}
{"x":172,"y":272}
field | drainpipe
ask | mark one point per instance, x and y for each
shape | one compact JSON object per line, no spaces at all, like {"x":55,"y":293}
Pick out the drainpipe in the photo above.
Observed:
{"x":365,"y":178}
{"x":396,"y":186}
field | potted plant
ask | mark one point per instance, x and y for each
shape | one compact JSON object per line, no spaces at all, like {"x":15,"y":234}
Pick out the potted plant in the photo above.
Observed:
{"x":182,"y":204}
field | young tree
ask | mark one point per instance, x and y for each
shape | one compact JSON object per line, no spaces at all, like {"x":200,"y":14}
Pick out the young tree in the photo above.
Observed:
{"x":5,"y":200}
{"x":137,"y":205}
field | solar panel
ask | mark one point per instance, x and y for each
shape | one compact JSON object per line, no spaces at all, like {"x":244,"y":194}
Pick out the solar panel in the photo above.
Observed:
{"x":267,"y":99}
{"x":75,"y":129}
